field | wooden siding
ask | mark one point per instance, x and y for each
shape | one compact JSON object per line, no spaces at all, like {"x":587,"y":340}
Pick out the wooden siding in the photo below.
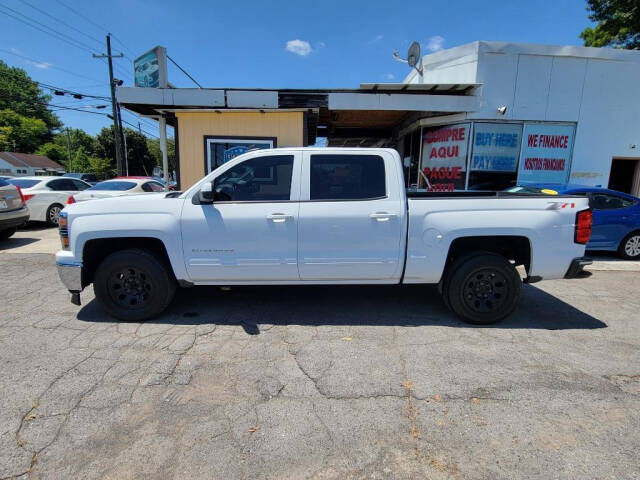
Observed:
{"x":287,"y":127}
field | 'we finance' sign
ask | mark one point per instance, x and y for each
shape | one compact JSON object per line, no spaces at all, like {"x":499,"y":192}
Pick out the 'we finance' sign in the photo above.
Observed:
{"x":546,"y":153}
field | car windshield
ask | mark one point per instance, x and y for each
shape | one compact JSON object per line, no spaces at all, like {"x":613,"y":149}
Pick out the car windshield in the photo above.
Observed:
{"x":117,"y":186}
{"x":23,"y":182}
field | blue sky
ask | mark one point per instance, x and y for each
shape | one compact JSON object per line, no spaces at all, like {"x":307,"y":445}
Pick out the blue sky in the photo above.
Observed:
{"x":261,"y":43}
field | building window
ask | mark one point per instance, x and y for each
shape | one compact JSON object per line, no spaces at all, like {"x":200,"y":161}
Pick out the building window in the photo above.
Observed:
{"x":546,"y":153}
{"x":219,"y":150}
{"x":444,"y":157}
{"x":494,"y":156}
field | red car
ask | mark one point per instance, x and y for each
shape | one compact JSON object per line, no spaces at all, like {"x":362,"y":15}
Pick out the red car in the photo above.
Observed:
{"x":172,"y":185}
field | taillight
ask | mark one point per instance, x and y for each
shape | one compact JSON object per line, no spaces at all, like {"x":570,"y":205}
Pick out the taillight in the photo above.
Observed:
{"x":71,"y":200}
{"x":584,"y":221}
{"x":63,"y":229}
{"x":22,"y":197}
{"x":28,"y":197}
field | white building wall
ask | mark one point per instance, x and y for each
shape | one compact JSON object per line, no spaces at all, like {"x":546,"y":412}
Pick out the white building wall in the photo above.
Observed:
{"x":598,"y":89}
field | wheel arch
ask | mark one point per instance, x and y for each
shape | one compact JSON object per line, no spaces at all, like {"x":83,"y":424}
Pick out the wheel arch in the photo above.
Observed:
{"x":97,"y":249}
{"x":516,"y":248}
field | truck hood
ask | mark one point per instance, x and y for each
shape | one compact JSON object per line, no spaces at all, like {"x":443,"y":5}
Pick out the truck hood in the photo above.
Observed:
{"x":149,"y":202}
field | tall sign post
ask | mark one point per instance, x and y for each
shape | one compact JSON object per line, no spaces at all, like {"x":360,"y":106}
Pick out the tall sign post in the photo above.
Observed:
{"x":150,"y":71}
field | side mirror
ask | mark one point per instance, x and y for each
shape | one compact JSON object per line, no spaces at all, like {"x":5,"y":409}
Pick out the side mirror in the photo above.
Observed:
{"x":205,"y":195}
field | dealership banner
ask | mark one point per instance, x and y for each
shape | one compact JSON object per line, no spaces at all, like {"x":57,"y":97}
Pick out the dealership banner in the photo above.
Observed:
{"x":496,"y":147}
{"x":444,"y":156}
{"x":546,"y":153}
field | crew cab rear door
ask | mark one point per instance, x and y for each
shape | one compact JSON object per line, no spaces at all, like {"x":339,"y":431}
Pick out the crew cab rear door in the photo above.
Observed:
{"x":351,"y":216}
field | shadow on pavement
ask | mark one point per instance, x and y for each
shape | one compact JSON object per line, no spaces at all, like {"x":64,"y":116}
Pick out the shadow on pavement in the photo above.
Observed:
{"x":13,"y":242}
{"x":409,"y":305}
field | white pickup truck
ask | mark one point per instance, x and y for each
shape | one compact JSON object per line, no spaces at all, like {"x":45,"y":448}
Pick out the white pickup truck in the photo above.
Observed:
{"x":319,"y":216}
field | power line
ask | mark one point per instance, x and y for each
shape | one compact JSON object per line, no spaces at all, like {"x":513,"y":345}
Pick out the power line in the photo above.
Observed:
{"x":59,"y":36}
{"x":62,"y":22}
{"x":50,"y":66}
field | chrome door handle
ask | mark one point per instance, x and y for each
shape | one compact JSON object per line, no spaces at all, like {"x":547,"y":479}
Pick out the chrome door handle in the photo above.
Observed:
{"x":382,"y":216}
{"x":279,"y":217}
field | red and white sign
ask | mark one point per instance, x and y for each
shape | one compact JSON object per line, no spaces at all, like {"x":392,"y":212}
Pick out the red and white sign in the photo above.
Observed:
{"x":444,"y":156}
{"x":546,"y":153}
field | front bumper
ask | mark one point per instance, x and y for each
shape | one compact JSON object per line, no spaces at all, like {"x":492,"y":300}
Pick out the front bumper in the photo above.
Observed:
{"x":70,"y":275}
{"x":576,"y":269}
{"x":14,"y":218}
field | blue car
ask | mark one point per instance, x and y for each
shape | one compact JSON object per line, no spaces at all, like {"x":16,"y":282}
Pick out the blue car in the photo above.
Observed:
{"x":616,"y":216}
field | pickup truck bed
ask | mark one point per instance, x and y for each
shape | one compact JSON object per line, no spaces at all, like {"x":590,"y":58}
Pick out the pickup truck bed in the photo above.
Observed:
{"x":319,"y":216}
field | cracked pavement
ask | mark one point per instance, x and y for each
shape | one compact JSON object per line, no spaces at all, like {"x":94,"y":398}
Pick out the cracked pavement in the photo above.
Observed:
{"x":318,"y":382}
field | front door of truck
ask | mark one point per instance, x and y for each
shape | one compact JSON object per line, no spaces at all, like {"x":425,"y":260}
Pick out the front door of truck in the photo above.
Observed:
{"x":250,"y":232}
{"x":350,"y":218}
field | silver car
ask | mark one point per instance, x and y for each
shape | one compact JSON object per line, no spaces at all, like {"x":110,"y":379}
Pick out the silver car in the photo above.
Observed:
{"x":13,"y":209}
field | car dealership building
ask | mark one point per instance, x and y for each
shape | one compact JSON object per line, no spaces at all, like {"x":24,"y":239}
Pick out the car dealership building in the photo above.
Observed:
{"x":485,"y":115}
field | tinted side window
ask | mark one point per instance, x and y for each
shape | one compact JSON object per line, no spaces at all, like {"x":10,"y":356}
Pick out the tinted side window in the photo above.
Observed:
{"x":263,"y":179}
{"x":80,"y":185}
{"x":347,"y":177}
{"x":61,"y":184}
{"x":600,"y":201}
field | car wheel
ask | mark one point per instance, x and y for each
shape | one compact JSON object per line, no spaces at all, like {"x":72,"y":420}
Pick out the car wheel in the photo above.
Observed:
{"x":4,"y":234}
{"x":630,"y":247}
{"x":53,"y":214}
{"x":483,"y":288}
{"x":133,"y":285}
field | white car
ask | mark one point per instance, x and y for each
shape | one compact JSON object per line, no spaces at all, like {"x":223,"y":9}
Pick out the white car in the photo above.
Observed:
{"x":46,"y":196}
{"x":116,"y":188}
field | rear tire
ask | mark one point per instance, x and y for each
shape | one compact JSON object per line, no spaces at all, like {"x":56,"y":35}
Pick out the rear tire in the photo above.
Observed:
{"x":629,"y":248}
{"x":482,"y":288}
{"x":4,"y":234}
{"x":53,"y":214}
{"x":133,"y":285}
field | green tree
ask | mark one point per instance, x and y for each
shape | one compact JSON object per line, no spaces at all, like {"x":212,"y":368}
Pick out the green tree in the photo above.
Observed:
{"x":101,"y":168}
{"x":19,"y":133}
{"x":80,"y":162}
{"x":618,"y":24}
{"x":22,"y":95}
{"x":154,"y":150}
{"x":140,"y":161}
{"x":55,"y":152}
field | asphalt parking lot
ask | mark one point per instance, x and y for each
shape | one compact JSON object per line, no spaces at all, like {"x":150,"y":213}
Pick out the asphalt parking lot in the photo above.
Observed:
{"x":317,"y":382}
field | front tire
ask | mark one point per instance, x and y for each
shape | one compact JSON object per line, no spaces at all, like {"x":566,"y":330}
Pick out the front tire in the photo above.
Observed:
{"x":53,"y":214}
{"x":133,"y":285}
{"x":483,"y":288}
{"x":629,"y":248}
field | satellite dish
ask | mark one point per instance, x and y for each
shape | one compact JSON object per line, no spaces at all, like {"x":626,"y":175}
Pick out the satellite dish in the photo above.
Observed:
{"x":413,"y":55}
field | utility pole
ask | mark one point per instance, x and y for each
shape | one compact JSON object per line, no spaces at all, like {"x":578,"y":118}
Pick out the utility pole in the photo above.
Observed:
{"x":112,"y":87}
{"x":69,"y":150}
{"x":123,"y":142}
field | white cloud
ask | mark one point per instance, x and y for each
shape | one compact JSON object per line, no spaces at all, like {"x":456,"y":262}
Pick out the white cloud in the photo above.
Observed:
{"x":42,"y":65}
{"x":388,"y":76}
{"x":435,"y":43}
{"x":375,"y":39}
{"x":299,"y":47}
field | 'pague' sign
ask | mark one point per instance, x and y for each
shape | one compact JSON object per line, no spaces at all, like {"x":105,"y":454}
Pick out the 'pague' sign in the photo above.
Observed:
{"x":444,"y":156}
